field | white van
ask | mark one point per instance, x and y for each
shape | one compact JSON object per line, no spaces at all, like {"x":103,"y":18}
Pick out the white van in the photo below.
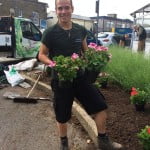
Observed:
{"x":19,"y":37}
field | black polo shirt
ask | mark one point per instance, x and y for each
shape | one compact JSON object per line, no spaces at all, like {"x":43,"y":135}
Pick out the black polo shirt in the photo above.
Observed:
{"x":64,"y":42}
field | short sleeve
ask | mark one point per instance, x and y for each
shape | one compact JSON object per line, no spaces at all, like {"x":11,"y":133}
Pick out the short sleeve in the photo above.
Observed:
{"x":84,"y":32}
{"x":47,"y":38}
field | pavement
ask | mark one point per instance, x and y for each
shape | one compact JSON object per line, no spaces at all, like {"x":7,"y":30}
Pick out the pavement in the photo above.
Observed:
{"x":85,"y":120}
{"x":32,"y":126}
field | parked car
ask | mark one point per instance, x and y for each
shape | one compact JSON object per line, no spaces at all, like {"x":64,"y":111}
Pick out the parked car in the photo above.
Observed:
{"x":92,"y":38}
{"x":109,"y":38}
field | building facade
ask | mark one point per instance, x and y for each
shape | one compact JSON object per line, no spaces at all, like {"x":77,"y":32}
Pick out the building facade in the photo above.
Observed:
{"x":82,"y":20}
{"x":107,"y":23}
{"x":32,"y":9}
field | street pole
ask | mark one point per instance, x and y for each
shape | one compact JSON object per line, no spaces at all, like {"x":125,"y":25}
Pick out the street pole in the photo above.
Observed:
{"x":97,"y":11}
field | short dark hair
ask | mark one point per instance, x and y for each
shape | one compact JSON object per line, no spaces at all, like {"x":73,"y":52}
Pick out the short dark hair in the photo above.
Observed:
{"x":57,"y":0}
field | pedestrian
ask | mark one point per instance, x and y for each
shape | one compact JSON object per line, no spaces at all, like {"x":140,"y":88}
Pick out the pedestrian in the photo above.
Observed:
{"x":141,"y":33}
{"x":66,"y":38}
{"x":123,"y":40}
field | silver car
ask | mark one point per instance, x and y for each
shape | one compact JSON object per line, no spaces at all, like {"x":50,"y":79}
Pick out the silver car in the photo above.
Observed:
{"x":108,"y":38}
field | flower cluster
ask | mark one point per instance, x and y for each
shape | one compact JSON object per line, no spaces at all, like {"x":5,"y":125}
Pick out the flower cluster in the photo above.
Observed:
{"x":138,"y":96}
{"x":102,"y":79}
{"x":96,"y":57}
{"x":66,"y":67}
{"x":144,"y":137}
{"x":104,"y":76}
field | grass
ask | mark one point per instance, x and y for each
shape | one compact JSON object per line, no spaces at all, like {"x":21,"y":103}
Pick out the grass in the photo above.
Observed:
{"x":129,"y":69}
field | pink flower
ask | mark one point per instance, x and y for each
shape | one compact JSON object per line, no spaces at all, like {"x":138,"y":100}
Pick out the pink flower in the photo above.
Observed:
{"x":92,"y":45}
{"x":74,"y":56}
{"x":101,"y":48}
{"x":52,"y":64}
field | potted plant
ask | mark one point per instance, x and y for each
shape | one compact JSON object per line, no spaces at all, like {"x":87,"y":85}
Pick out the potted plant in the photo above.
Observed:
{"x":144,"y":137}
{"x":67,"y":68}
{"x":139,"y":98}
{"x":96,"y":58}
{"x":102,"y":80}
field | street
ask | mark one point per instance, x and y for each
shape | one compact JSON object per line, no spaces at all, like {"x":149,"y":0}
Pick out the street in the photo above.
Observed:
{"x":32,"y":126}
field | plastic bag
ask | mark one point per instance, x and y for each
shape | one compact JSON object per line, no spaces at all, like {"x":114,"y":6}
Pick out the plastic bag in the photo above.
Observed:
{"x":13,"y":77}
{"x":26,"y":65}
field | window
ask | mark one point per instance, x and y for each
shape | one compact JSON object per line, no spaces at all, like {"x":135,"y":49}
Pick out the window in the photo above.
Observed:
{"x":101,"y":35}
{"x":30,"y":31}
{"x":5,"y":24}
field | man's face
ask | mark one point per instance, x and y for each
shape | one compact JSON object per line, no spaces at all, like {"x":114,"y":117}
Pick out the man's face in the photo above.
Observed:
{"x":64,"y":10}
{"x":135,"y":28}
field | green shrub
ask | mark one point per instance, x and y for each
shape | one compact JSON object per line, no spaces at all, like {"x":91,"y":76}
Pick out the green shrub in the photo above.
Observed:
{"x":128,"y":68}
{"x":144,"y":137}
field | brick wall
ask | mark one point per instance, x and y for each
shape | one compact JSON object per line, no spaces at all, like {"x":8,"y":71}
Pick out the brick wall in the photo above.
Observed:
{"x":24,"y":8}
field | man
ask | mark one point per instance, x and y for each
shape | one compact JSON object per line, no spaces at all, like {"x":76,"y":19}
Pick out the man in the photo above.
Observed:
{"x":123,"y":39}
{"x":141,"y":33}
{"x":66,"y":38}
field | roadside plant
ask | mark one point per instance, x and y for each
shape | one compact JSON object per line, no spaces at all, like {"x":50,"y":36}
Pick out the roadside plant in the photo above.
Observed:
{"x":102,"y":80}
{"x":144,"y":137}
{"x":122,"y":72}
{"x":67,"y":67}
{"x":138,"y":96}
{"x":96,"y":57}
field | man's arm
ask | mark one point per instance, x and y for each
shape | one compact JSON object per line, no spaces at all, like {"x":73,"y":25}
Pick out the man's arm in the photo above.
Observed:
{"x":84,"y":45}
{"x":43,"y":54}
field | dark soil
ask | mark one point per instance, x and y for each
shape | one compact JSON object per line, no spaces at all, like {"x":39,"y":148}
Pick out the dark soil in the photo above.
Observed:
{"x":124,"y":122}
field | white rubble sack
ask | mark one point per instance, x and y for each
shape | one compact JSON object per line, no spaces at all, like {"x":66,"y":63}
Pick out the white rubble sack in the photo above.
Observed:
{"x":26,"y":65}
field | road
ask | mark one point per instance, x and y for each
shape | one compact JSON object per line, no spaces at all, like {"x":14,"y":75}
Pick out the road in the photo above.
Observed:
{"x":33,"y":127}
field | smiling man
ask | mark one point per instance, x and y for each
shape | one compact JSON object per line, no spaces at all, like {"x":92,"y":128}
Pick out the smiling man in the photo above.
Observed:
{"x":66,"y":38}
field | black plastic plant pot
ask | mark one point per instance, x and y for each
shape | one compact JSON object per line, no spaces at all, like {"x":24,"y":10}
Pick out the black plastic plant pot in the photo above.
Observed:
{"x":91,"y":76}
{"x":104,"y":84}
{"x":140,"y":107}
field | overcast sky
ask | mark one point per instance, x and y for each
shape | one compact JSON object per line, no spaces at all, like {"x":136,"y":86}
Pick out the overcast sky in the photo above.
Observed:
{"x":122,"y":8}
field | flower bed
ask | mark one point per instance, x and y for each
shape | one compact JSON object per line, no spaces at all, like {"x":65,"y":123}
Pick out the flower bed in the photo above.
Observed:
{"x":123,"y":121}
